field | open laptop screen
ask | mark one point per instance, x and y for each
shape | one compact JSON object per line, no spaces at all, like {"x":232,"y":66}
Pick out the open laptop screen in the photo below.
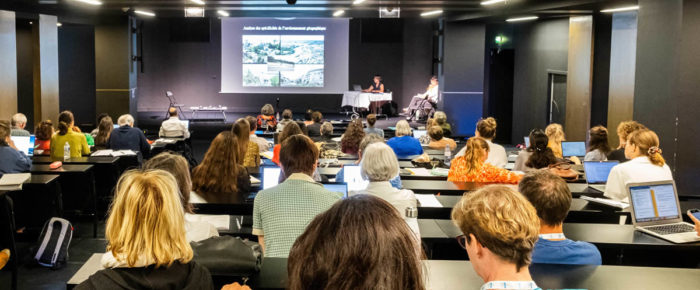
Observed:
{"x":270,"y":177}
{"x":573,"y":148}
{"x":353,"y":178}
{"x":597,"y":171}
{"x":654,"y":202}
{"x":419,"y":133}
{"x":186,"y":123}
{"x":24,"y":144}
{"x":527,"y":141}
{"x":337,"y":187}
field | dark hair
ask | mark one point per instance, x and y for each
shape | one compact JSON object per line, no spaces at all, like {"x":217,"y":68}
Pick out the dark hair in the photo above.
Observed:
{"x":298,"y":154}
{"x":65,"y":118}
{"x":289,"y":130}
{"x":352,"y":137}
{"x":216,"y":178}
{"x":316,"y":116}
{"x":542,"y":156}
{"x":304,"y":129}
{"x":252,"y":122}
{"x":371,"y":120}
{"x":180,"y":169}
{"x":436,"y":133}
{"x":287,"y":114}
{"x":5,"y":130}
{"x":307,"y":115}
{"x":100,"y":117}
{"x":44,"y":130}
{"x":599,"y":140}
{"x":104,"y":129}
{"x":359,"y":243}
{"x":487,"y":128}
{"x":548,"y":193}
{"x":242,"y":131}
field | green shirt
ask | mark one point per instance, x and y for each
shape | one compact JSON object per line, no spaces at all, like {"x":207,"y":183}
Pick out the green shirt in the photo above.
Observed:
{"x":76,"y":141}
{"x":281,"y":213}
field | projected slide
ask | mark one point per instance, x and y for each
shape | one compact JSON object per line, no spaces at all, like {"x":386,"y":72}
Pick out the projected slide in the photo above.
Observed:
{"x":283,"y":61}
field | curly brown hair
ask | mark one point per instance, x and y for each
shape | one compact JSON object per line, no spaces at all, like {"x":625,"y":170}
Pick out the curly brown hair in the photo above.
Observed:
{"x":350,"y":143}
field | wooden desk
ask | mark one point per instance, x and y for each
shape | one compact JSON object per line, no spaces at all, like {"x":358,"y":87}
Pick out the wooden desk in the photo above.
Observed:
{"x":458,"y":188}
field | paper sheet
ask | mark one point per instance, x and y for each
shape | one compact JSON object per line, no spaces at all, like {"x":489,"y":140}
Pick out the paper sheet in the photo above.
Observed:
{"x":267,"y":154}
{"x":254,"y":180}
{"x":14,"y":178}
{"x":428,"y":200}
{"x":221,"y":222}
{"x":419,"y":171}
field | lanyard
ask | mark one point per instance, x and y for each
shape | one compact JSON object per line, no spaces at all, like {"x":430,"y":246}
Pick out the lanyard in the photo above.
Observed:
{"x":557,"y":236}
{"x":510,"y":285}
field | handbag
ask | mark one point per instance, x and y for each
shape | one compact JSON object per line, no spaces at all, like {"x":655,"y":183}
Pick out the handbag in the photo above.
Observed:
{"x":228,"y":256}
{"x":563,"y":170}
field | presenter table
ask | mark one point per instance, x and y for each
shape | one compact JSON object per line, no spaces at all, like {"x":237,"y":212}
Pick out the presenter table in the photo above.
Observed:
{"x":210,"y":109}
{"x":359,"y":99}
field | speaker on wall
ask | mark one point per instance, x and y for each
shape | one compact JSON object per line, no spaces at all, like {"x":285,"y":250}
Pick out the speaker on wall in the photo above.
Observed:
{"x":190,"y":30}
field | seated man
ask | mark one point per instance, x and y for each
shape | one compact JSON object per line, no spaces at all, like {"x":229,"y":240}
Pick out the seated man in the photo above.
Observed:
{"x":263,"y":145}
{"x":126,"y":137}
{"x":550,"y":195}
{"x":281,"y":213}
{"x":19,"y":121}
{"x":498,"y":251}
{"x":173,"y":127}
{"x":11,"y":159}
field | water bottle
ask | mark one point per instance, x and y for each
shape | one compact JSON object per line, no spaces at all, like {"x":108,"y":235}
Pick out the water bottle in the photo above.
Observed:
{"x":448,"y":154}
{"x":412,"y":221}
{"x":66,"y":151}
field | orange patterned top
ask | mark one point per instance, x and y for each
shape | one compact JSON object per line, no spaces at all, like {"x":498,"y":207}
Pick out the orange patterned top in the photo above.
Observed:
{"x":487,"y":173}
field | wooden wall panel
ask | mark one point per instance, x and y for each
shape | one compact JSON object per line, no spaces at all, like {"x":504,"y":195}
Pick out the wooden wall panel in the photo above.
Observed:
{"x":623,"y":53}
{"x":8,"y":65}
{"x":46,"y":69}
{"x":579,"y":77}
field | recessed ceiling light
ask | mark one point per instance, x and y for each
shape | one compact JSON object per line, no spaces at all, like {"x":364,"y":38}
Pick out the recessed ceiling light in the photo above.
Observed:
{"x":630,"y":8}
{"x":491,"y":2}
{"x":338,"y":13}
{"x":200,"y":2}
{"x":357,"y":2}
{"x":91,"y":2}
{"x":194,"y":12}
{"x":222,"y":13}
{"x":59,"y":24}
{"x":430,"y":13}
{"x":145,"y":13}
{"x":522,"y":18}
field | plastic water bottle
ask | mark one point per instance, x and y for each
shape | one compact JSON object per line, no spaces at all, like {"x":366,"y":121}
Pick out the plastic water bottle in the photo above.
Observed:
{"x":412,"y":221}
{"x":66,"y":151}
{"x":448,"y":154}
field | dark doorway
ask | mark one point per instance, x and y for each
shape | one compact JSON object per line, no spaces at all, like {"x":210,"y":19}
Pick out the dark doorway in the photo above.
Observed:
{"x":500,"y":92}
{"x":557,"y":98}
{"x":25,"y":69}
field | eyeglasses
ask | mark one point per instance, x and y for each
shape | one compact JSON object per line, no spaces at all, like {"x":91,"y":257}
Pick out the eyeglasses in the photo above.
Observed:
{"x":462,"y":241}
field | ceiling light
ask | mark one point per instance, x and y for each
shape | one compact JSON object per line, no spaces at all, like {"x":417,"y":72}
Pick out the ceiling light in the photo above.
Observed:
{"x":145,"y":13}
{"x":630,"y":8}
{"x":200,"y":2}
{"x":59,"y":24}
{"x":222,"y":13}
{"x":91,"y":2}
{"x":522,"y":19}
{"x":338,"y":13}
{"x":194,"y":12}
{"x":357,"y":2}
{"x":491,"y":2}
{"x":430,"y":13}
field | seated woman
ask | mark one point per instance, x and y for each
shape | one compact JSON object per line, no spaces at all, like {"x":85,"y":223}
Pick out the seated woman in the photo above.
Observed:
{"x":307,"y":117}
{"x":289,"y":130}
{"x":366,"y":141}
{"x":537,"y":156}
{"x":220,"y":178}
{"x":77,"y":141}
{"x":425,"y":139}
{"x":249,"y":155}
{"x":101,"y":116}
{"x":266,"y":119}
{"x":486,"y":129}
{"x":42,"y":143}
{"x":11,"y":159}
{"x":438,"y":142}
{"x":441,"y":120}
{"x":371,"y":120}
{"x":286,"y":119}
{"x":315,"y":127}
{"x":623,"y":131}
{"x":403,"y":144}
{"x":425,"y":102}
{"x":645,"y":164}
{"x":359,"y":243}
{"x":147,"y":247}
{"x":104,"y":129}
{"x":177,"y":166}
{"x":555,"y":134}
{"x":472,"y":167}
{"x":598,"y":147}
{"x":326,"y":133}
{"x":379,"y":166}
{"x":377,"y":86}
{"x":350,"y":142}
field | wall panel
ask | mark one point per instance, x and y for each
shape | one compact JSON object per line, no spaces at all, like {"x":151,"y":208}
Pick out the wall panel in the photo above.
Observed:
{"x":8,"y":65}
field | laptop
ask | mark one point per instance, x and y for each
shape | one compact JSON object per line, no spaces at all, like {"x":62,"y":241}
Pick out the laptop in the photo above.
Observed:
{"x":24,"y":144}
{"x":597,"y":173}
{"x":270,"y":176}
{"x":527,"y":141}
{"x":573,"y":149}
{"x":337,"y":187}
{"x":353,"y":178}
{"x":419,"y":133}
{"x":186,"y":123}
{"x":657,"y":212}
{"x":356,"y":88}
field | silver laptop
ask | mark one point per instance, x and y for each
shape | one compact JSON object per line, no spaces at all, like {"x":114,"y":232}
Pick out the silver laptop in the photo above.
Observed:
{"x":356,"y":88}
{"x":656,"y":211}
{"x":597,"y":173}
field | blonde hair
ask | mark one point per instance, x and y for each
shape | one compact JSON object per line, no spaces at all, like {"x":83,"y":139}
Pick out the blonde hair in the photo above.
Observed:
{"x":146,"y":224}
{"x":379,"y":163}
{"x":431,"y":122}
{"x":180,"y":169}
{"x":648,"y":143}
{"x":487,"y":128}
{"x":440,"y":117}
{"x":475,"y":149}
{"x":267,"y":110}
{"x":403,"y":128}
{"x":555,"y":133}
{"x":502,"y":220}
{"x":627,"y":127}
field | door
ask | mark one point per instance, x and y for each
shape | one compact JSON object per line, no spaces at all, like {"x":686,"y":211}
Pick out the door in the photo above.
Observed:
{"x":557,"y":98}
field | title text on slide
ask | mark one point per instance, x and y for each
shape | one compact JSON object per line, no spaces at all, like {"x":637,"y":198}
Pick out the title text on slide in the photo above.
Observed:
{"x":284,"y":28}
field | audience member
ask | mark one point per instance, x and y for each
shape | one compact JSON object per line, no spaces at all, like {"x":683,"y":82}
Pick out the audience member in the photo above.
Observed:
{"x":173,"y":127}
{"x":555,"y":135}
{"x":438,"y":141}
{"x":379,"y":165}
{"x":90,"y":140}
{"x":147,"y":246}
{"x":425,"y":139}
{"x":266,"y":120}
{"x":645,"y":164}
{"x":315,"y":127}
{"x":307,"y":117}
{"x":263,"y":145}
{"x":371,"y":120}
{"x":623,"y":131}
{"x":538,"y":155}
{"x":19,"y":122}
{"x":101,"y":116}
{"x":350,"y":142}
{"x":11,"y":159}
{"x":42,"y":141}
{"x":249,"y":155}
{"x":177,"y":166}
{"x":500,"y":229}
{"x":220,"y":178}
{"x":696,"y":222}
{"x":281,"y":213}
{"x":472,"y":166}
{"x":486,"y":129}
{"x":326,"y":133}
{"x":289,"y":130}
{"x":104,"y":130}
{"x":359,"y":243}
{"x":403,"y":144}
{"x":598,"y":147}
{"x":441,"y":120}
{"x":76,"y":141}
{"x":366,"y":141}
{"x":551,"y":197}
{"x":127,"y":137}
{"x":286,"y":119}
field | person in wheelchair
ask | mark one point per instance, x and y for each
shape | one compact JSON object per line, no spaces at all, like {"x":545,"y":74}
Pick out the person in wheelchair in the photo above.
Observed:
{"x":423,"y":105}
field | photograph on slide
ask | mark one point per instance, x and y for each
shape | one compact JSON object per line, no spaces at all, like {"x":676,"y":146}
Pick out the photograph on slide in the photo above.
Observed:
{"x":283,"y":60}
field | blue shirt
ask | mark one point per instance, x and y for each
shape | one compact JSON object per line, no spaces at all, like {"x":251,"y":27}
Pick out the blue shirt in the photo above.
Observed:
{"x":565,"y":252}
{"x":405,"y":146}
{"x":128,"y":138}
{"x":13,"y":161}
{"x":395,"y":183}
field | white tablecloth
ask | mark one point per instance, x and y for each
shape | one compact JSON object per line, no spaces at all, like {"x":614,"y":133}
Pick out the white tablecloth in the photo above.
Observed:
{"x":362,"y":100}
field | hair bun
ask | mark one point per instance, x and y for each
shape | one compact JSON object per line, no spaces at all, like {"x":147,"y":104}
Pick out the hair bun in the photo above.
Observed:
{"x":653,"y":150}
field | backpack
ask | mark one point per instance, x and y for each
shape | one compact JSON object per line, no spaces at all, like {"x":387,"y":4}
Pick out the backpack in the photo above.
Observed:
{"x":53,"y":243}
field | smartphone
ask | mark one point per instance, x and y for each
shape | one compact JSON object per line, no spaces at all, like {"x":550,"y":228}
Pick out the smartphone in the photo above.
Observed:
{"x":695,"y":212}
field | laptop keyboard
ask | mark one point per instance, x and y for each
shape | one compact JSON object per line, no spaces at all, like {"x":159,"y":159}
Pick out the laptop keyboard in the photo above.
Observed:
{"x":671,"y":229}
